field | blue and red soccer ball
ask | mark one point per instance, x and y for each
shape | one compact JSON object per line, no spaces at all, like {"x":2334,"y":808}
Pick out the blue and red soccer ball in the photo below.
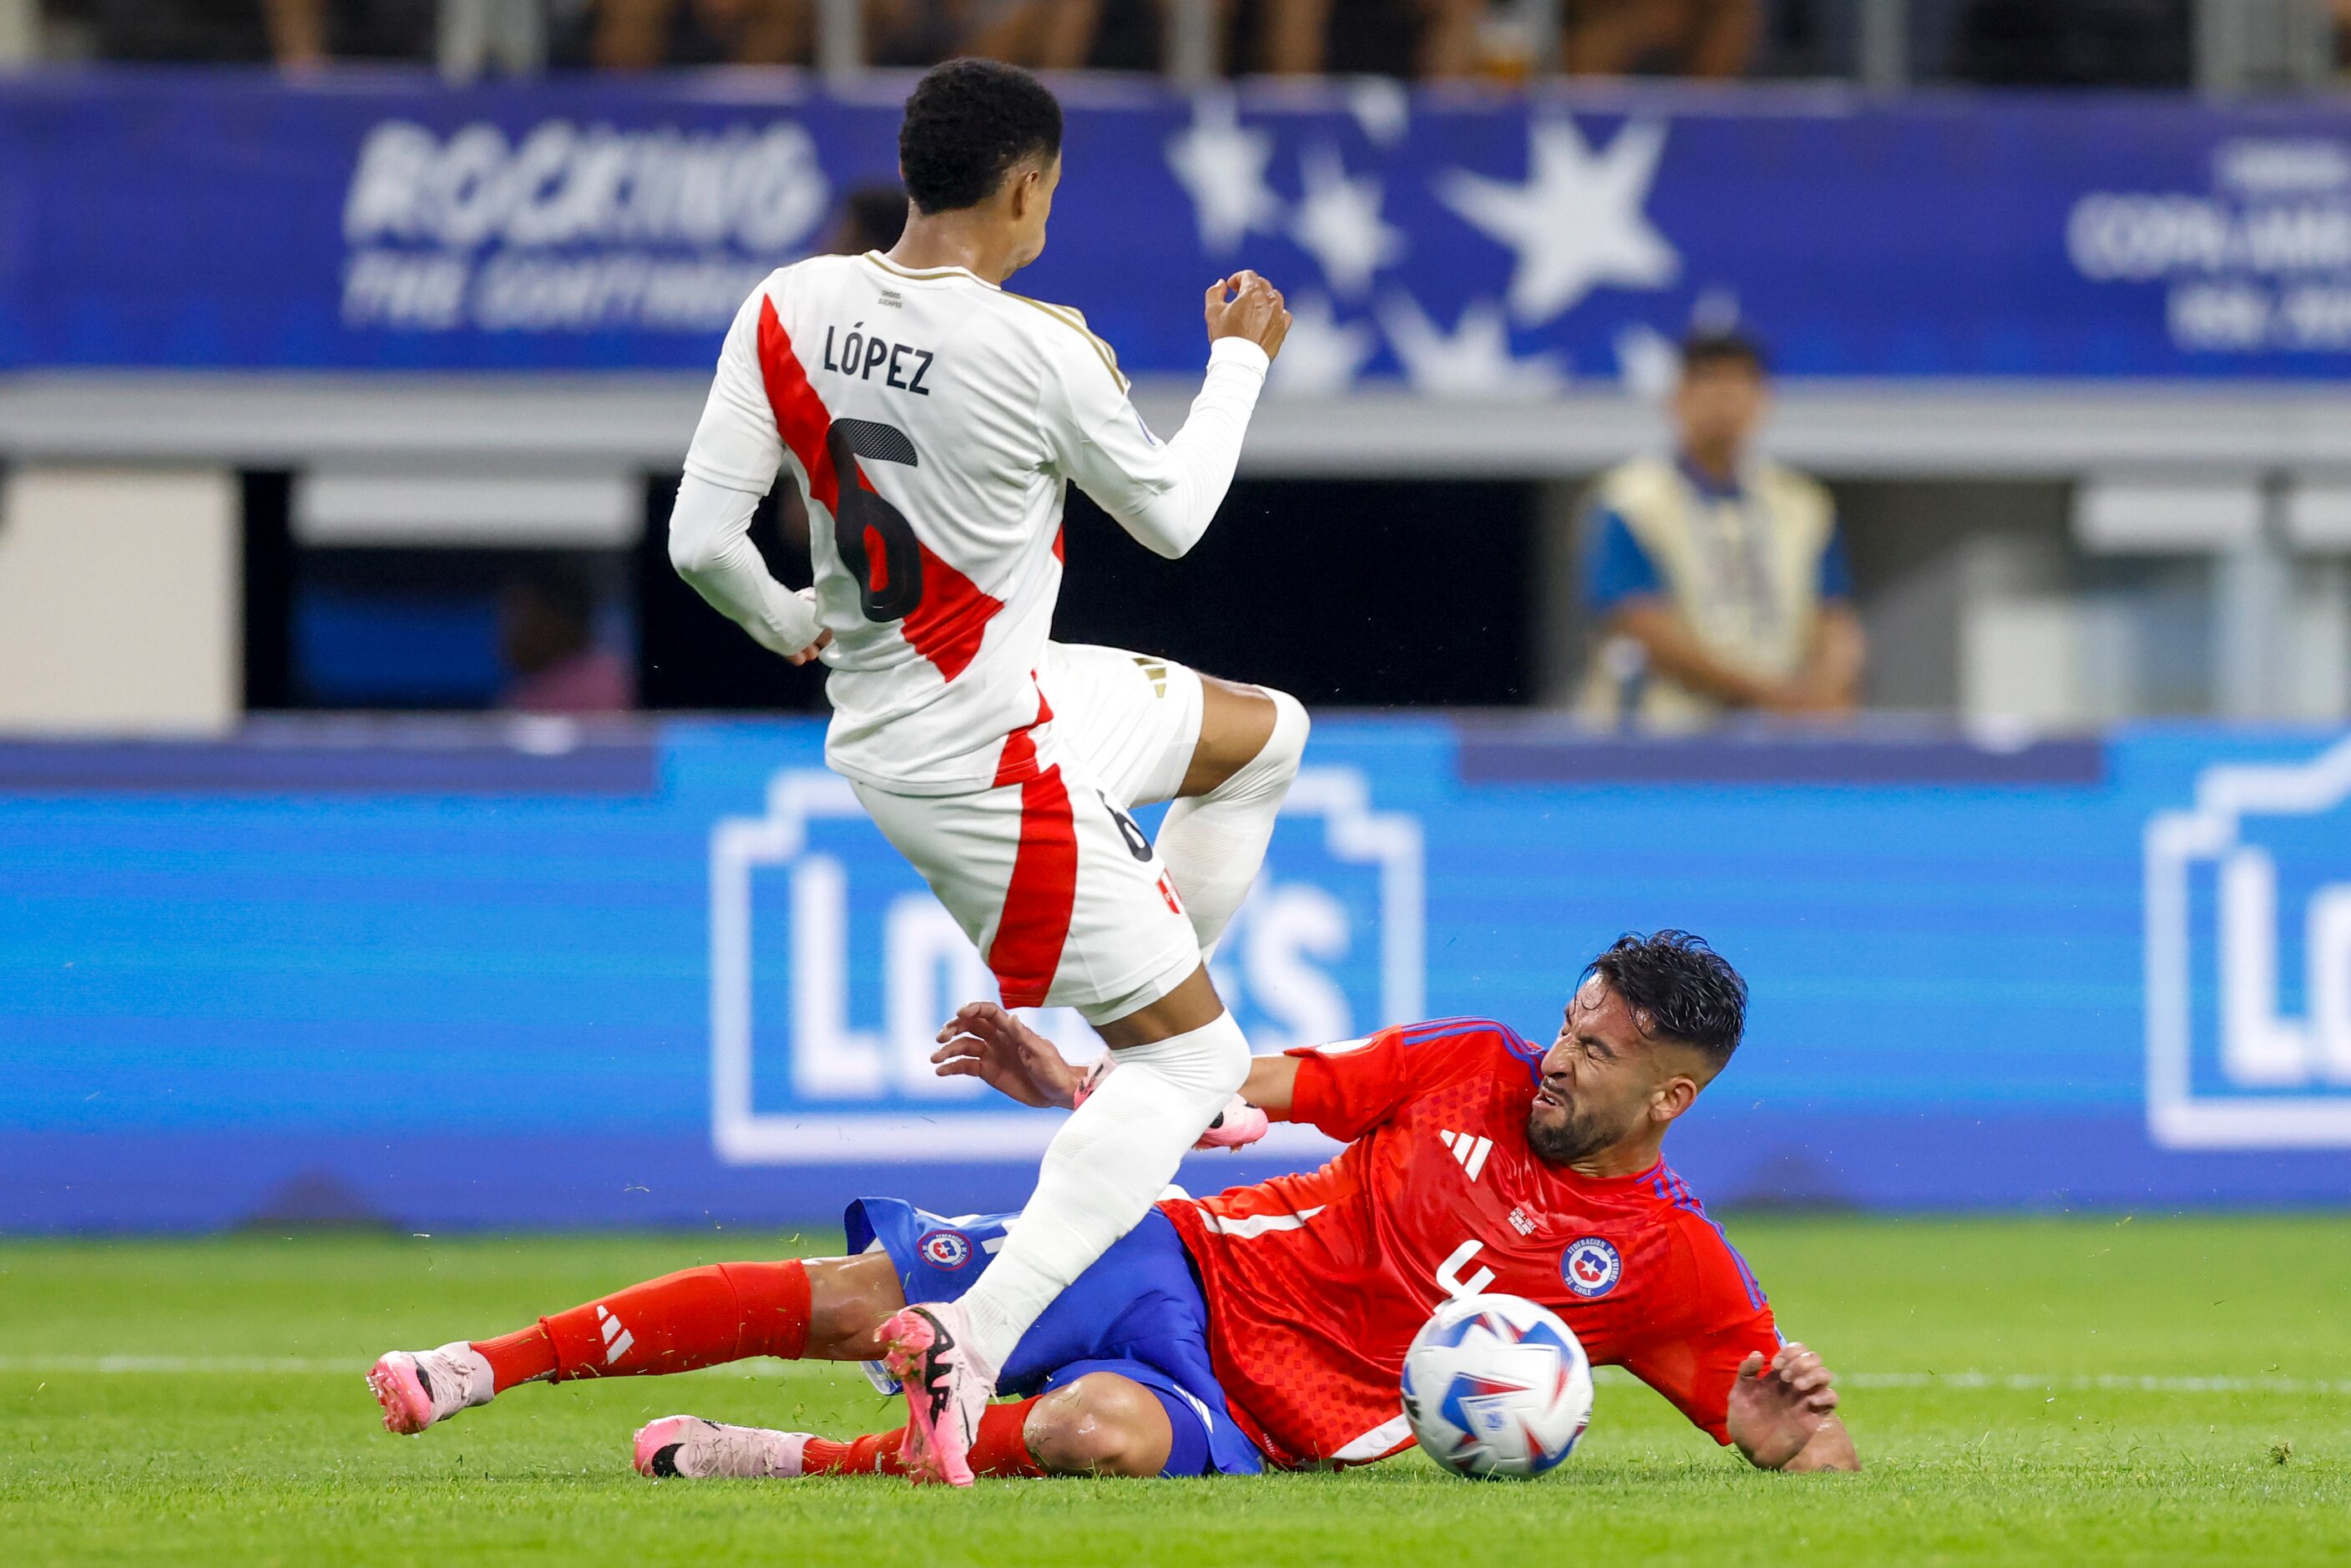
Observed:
{"x":1497,"y":1387}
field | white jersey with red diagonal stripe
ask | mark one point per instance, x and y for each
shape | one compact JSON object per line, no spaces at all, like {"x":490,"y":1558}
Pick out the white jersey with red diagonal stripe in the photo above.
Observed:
{"x":933,"y":420}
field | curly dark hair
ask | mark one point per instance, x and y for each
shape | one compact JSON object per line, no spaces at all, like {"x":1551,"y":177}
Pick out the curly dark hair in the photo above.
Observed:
{"x":1678,"y":988}
{"x":968,"y":123}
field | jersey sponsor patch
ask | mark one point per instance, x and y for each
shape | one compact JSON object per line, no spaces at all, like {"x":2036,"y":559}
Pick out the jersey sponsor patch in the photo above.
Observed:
{"x":1590,"y":1267}
{"x":945,"y":1249}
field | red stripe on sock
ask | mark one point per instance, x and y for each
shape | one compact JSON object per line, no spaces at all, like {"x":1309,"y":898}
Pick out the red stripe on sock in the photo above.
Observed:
{"x":1034,"y":924}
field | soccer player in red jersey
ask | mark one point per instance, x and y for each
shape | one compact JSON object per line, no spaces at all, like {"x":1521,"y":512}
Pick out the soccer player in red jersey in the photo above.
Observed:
{"x":1270,"y":1324}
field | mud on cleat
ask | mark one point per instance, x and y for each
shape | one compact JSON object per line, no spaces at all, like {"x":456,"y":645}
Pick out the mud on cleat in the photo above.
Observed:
{"x":695,"y":1448}
{"x":421,"y":1388}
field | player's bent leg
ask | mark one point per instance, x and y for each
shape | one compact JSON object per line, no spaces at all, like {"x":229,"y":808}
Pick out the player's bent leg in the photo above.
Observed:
{"x":1069,"y":905}
{"x":1181,"y":1058}
{"x":826,"y":1308}
{"x":1236,"y":722}
{"x":1215,"y":833}
{"x":1098,"y":1425}
{"x":691,"y":1447}
{"x":1101,"y":1424}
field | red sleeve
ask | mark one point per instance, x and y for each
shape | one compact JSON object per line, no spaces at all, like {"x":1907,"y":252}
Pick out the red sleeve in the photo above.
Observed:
{"x":1694,"y":1357}
{"x":1347,"y":1090}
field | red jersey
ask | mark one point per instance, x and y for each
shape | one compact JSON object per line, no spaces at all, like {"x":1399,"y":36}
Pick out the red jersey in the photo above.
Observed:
{"x":1316,"y":1283}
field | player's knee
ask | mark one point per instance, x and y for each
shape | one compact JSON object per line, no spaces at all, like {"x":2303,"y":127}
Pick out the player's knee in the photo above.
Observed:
{"x":1101,"y":1425}
{"x":1286,"y":746}
{"x":849,"y":1300}
{"x":1251,"y":738}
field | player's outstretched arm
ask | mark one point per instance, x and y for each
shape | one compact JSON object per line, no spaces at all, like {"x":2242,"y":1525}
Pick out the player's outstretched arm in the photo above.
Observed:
{"x":1783,"y":1414}
{"x":985,"y":1042}
{"x":1165,"y":494}
{"x":710,"y":545}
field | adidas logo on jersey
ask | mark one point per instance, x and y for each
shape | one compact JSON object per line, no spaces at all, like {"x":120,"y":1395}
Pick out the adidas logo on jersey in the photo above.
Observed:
{"x":1471,"y":1152}
{"x":616,"y":1339}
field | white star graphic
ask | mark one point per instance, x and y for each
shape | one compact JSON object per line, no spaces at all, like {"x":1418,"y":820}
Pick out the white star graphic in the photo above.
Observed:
{"x":1381,"y":107}
{"x":1222,"y":167}
{"x":1648,"y":361}
{"x":1474,"y":360}
{"x":1337,"y":223}
{"x":1321,"y":356}
{"x":1577,"y":222}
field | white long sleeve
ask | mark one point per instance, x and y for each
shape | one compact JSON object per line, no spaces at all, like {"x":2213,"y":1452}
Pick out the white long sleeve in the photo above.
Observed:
{"x":1164,"y":494}
{"x":710,"y":545}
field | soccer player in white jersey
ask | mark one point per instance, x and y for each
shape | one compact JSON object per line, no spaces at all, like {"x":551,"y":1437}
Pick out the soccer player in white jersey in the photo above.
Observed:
{"x":934,"y":421}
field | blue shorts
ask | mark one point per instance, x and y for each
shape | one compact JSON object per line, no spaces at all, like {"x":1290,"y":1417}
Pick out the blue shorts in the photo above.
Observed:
{"x":1138,"y":1312}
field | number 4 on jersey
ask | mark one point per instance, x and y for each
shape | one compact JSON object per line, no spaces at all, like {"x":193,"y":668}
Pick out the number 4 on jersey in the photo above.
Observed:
{"x":889,"y":581}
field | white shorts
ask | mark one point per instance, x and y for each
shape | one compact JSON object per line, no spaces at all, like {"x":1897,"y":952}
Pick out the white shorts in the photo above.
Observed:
{"x":1046,"y":871}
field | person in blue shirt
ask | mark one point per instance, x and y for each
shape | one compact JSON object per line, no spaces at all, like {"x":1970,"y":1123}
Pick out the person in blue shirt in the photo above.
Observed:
{"x":1717,"y":578}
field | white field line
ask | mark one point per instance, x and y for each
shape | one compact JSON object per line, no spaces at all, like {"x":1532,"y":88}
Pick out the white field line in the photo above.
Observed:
{"x":2074,"y":1383}
{"x":1997,"y":1382}
{"x":239,"y":1365}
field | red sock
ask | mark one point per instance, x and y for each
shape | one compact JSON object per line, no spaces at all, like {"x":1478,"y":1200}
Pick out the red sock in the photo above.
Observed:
{"x":700,"y":1317}
{"x":1001,"y":1450}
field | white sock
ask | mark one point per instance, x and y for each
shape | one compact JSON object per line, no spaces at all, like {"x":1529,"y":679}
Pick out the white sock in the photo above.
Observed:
{"x":1213,"y":845}
{"x":1104,"y":1169}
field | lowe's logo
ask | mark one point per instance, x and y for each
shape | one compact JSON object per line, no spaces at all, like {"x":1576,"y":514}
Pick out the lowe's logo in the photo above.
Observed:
{"x":832,"y":967}
{"x":2249,"y":960}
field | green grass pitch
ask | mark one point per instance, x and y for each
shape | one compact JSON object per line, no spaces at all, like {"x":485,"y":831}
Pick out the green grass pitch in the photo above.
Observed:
{"x":2089,"y":1389}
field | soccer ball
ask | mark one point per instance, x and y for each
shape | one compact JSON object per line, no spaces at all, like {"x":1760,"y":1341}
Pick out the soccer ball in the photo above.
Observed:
{"x":1497,"y":1387}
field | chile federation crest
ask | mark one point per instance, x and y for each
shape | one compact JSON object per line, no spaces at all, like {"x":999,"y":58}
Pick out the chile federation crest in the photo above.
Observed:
{"x":1591,"y":1266}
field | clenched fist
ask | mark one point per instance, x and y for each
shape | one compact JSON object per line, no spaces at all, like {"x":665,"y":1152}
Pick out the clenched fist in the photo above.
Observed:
{"x":1253,"y":310}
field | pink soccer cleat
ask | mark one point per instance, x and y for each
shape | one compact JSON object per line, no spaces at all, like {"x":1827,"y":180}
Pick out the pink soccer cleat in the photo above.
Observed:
{"x":927,"y":1349}
{"x":421,"y":1388}
{"x":691,"y":1447}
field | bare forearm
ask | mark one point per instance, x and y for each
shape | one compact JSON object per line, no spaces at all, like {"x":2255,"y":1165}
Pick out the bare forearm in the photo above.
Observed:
{"x":1271,"y":1084}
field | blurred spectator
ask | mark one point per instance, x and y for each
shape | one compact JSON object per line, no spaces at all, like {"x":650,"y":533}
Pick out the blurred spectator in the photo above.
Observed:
{"x":2074,"y":42}
{"x":871,"y":217}
{"x":1661,"y":38}
{"x":636,"y":35}
{"x":1717,"y":578}
{"x":1436,"y":39}
{"x":1046,"y":34}
{"x":1043,"y":35}
{"x":546,"y":635}
{"x":294,"y":33}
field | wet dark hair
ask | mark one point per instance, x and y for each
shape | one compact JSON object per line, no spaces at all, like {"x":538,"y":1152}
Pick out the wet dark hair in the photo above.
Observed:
{"x":968,"y":123}
{"x":1723,"y":346}
{"x":1677,"y":988}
